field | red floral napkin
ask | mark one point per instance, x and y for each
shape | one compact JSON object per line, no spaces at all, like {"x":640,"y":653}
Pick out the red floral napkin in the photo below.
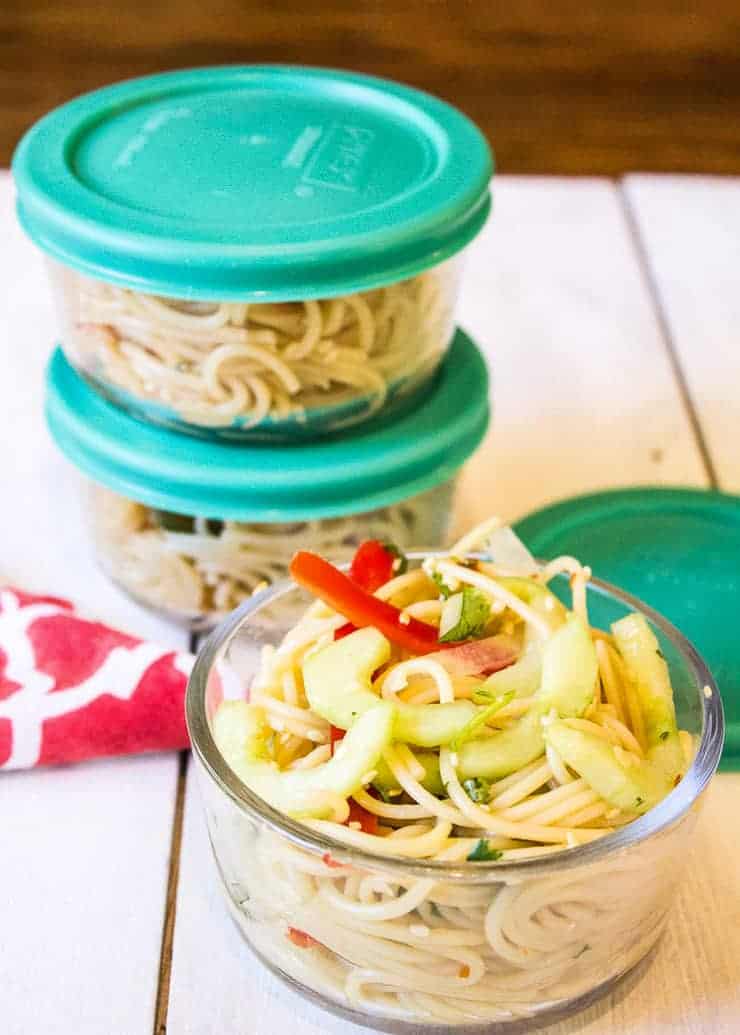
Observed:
{"x":72,"y":689}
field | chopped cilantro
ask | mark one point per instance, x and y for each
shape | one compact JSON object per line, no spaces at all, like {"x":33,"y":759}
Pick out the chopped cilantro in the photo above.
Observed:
{"x":172,"y":522}
{"x":439,"y":582}
{"x":665,"y":735}
{"x":384,"y":794}
{"x":638,"y":802}
{"x":483,"y":695}
{"x":477,"y":789}
{"x":470,"y":729}
{"x":392,"y":549}
{"x":464,"y":615}
{"x":484,"y":853}
{"x":660,"y":653}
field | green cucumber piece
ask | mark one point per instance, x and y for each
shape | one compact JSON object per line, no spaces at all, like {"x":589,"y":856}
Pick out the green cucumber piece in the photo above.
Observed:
{"x":464,"y":615}
{"x":648,"y":671}
{"x":569,"y":670}
{"x":522,"y":679}
{"x":385,"y":781}
{"x":240,"y":730}
{"x":432,"y":725}
{"x":633,"y":788}
{"x":338,"y":680}
{"x":538,"y":596}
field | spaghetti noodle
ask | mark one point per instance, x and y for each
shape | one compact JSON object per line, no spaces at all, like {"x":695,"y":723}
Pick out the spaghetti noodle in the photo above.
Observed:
{"x":246,"y":365}
{"x":199,"y":567}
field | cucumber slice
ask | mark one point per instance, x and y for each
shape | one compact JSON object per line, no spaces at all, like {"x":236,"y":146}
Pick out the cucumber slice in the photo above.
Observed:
{"x":569,"y":670}
{"x":522,"y":679}
{"x":633,"y":788}
{"x":464,"y":615}
{"x":240,"y":729}
{"x":431,"y":725}
{"x":537,"y":596}
{"x":338,"y":679}
{"x":385,"y":781}
{"x":648,"y":671}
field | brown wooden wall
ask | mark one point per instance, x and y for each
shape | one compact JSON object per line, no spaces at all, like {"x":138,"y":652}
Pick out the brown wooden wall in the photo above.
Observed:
{"x":562,"y":86}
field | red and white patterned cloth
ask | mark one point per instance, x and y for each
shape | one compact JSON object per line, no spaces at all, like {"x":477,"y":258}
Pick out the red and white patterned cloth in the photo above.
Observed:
{"x":72,"y":689}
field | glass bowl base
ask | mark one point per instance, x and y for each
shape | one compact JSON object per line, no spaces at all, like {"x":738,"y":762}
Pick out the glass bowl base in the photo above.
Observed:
{"x":624,"y":981}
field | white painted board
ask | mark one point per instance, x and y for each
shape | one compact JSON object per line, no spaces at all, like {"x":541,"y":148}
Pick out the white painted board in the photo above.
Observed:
{"x":690,"y":227}
{"x":583,"y":393}
{"x":84,"y":851}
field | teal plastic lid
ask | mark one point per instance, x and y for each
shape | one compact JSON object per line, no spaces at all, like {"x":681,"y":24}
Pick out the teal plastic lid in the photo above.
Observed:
{"x":676,"y":549}
{"x":385,"y":461}
{"x":253,"y":182}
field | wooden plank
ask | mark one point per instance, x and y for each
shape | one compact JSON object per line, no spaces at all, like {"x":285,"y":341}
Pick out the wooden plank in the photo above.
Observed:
{"x":559,"y":87}
{"x":83,"y":871}
{"x":584,"y":398}
{"x":83,"y":867}
{"x":690,"y":229}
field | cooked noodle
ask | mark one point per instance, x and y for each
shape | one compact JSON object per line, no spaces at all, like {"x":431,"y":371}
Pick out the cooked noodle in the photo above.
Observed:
{"x":211,"y":568}
{"x":433,"y":950}
{"x":240,"y":365}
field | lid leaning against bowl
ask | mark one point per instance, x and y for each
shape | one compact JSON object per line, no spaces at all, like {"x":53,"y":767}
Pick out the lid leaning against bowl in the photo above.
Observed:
{"x":677,"y":549}
{"x":382,"y":463}
{"x":269,"y":182}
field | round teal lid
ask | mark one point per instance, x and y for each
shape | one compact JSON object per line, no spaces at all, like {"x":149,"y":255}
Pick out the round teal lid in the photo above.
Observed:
{"x":383,"y":462}
{"x":676,"y":549}
{"x":262,"y":182}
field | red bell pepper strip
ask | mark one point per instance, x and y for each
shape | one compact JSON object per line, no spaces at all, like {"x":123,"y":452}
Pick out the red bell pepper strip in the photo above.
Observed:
{"x":336,"y":734}
{"x":361,"y":608}
{"x":367,"y":820}
{"x":301,"y":939}
{"x":372,"y":565}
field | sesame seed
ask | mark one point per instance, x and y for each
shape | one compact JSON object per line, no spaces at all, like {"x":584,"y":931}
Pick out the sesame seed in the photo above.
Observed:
{"x":404,"y":618}
{"x":707,"y":691}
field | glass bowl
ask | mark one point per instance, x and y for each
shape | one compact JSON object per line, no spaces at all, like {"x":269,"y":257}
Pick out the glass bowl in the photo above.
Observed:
{"x":198,"y":569}
{"x":474,"y":947}
{"x":279,"y":371}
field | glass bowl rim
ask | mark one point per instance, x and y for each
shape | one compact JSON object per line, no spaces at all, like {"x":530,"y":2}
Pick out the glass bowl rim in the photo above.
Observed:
{"x":673,"y":807}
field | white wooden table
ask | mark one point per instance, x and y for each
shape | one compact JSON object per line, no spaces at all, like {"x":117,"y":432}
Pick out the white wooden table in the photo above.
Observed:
{"x":611,"y":316}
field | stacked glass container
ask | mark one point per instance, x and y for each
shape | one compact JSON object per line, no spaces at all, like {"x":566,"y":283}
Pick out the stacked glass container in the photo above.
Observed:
{"x":256,"y":270}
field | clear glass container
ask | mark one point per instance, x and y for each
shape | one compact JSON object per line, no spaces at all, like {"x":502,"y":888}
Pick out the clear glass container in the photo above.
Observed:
{"x":271,"y":370}
{"x":198,"y":569}
{"x":475,"y":947}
